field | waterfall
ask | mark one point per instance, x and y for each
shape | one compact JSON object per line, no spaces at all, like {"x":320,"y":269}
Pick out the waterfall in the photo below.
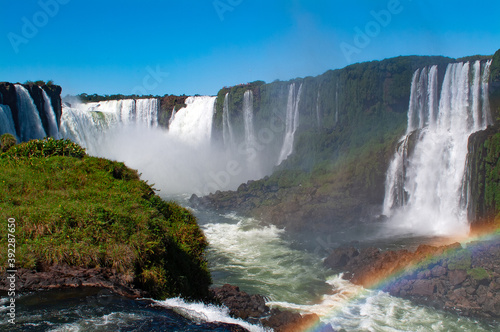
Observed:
{"x":86,"y":124}
{"x":248,"y":120}
{"x":172,"y":117}
{"x":6,"y":121}
{"x":147,"y":112}
{"x":29,"y":119}
{"x":51,"y":116}
{"x":193,"y":123}
{"x":291,"y":122}
{"x":227,"y":129}
{"x":425,"y":178}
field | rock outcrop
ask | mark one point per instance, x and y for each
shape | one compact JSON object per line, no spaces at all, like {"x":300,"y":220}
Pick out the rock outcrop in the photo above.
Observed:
{"x":253,"y":308}
{"x":464,"y":280}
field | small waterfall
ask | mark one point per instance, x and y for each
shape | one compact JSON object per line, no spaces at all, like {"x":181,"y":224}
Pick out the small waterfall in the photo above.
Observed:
{"x":29,"y":118}
{"x":227,"y":129}
{"x":318,"y":116}
{"x":248,"y":120}
{"x":172,"y":117}
{"x":291,"y":122}
{"x":425,"y":178}
{"x":51,"y":116}
{"x":147,"y":112}
{"x":193,"y":123}
{"x":6,"y":121}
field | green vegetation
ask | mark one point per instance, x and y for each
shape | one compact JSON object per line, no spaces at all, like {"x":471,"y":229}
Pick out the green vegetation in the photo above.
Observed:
{"x":460,"y":260}
{"x":40,"y":83}
{"x":84,"y":211}
{"x":94,"y":98}
{"x":478,"y":273}
{"x":7,"y":141}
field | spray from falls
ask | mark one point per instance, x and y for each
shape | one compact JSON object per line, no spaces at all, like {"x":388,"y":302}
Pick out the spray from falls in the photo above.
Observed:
{"x":425,"y":178}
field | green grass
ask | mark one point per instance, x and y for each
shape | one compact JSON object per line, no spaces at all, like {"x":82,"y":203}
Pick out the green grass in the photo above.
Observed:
{"x":86,"y":211}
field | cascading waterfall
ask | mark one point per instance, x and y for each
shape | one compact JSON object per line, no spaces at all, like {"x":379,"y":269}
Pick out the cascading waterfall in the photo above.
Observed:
{"x":248,"y":120}
{"x":193,"y":123}
{"x":51,"y":116}
{"x":227,"y":129}
{"x":147,"y":112}
{"x":29,"y":118}
{"x":6,"y":121}
{"x":172,"y":117}
{"x":85,"y":124}
{"x":291,"y":122}
{"x":424,"y":180}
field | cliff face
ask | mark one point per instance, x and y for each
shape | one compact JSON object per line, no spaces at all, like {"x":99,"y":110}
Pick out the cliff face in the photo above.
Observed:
{"x":9,"y":97}
{"x":349,"y":123}
{"x":484,"y":160}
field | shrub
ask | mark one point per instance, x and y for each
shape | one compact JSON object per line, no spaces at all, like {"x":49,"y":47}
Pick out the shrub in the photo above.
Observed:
{"x":47,"y":147}
{"x":7,"y":141}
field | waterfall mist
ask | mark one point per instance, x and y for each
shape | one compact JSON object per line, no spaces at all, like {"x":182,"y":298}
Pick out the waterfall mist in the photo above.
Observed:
{"x":181,"y":160}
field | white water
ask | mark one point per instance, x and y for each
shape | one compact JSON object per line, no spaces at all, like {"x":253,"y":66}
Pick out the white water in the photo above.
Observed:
{"x":227,"y":129}
{"x":199,"y":312}
{"x":250,"y":140}
{"x":291,"y":122}
{"x":193,"y":123}
{"x":51,"y":116}
{"x":424,"y":186}
{"x":6,"y":121}
{"x":261,"y":260}
{"x":30,"y":123}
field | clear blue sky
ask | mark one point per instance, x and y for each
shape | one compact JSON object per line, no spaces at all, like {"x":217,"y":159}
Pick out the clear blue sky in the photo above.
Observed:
{"x":197,"y":47}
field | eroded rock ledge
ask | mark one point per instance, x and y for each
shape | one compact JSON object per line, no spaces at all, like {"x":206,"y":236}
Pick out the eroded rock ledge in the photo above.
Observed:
{"x":65,"y":276}
{"x":463,"y":280}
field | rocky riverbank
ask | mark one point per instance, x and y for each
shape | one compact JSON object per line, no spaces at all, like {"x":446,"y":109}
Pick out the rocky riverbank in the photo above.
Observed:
{"x":465,"y":279}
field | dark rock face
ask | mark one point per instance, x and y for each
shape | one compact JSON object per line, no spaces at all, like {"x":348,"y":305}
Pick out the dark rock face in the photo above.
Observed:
{"x":466,"y":281}
{"x":253,"y":308}
{"x":64,"y":276}
{"x":9,"y":98}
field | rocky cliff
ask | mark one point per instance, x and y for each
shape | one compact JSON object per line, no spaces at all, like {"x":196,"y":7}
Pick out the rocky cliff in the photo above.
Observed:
{"x":484,"y":161}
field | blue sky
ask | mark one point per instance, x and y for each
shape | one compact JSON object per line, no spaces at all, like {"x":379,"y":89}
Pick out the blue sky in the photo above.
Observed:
{"x":197,"y":47}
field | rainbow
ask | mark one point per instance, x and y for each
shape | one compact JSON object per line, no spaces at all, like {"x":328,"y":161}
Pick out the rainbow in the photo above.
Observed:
{"x":349,"y":293}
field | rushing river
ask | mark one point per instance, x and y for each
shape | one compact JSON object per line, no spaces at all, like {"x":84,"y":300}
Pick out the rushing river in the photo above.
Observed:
{"x":287,"y":269}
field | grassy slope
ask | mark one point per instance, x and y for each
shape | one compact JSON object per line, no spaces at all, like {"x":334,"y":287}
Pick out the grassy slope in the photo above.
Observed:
{"x":86,"y":211}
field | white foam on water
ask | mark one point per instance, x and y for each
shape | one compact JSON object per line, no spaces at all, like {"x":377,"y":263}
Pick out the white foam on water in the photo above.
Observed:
{"x":199,"y":312}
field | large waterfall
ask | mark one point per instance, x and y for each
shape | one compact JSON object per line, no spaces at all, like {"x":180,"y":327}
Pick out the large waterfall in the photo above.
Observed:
{"x":425,"y":178}
{"x":29,"y":118}
{"x":87,"y":123}
{"x":193,"y":124}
